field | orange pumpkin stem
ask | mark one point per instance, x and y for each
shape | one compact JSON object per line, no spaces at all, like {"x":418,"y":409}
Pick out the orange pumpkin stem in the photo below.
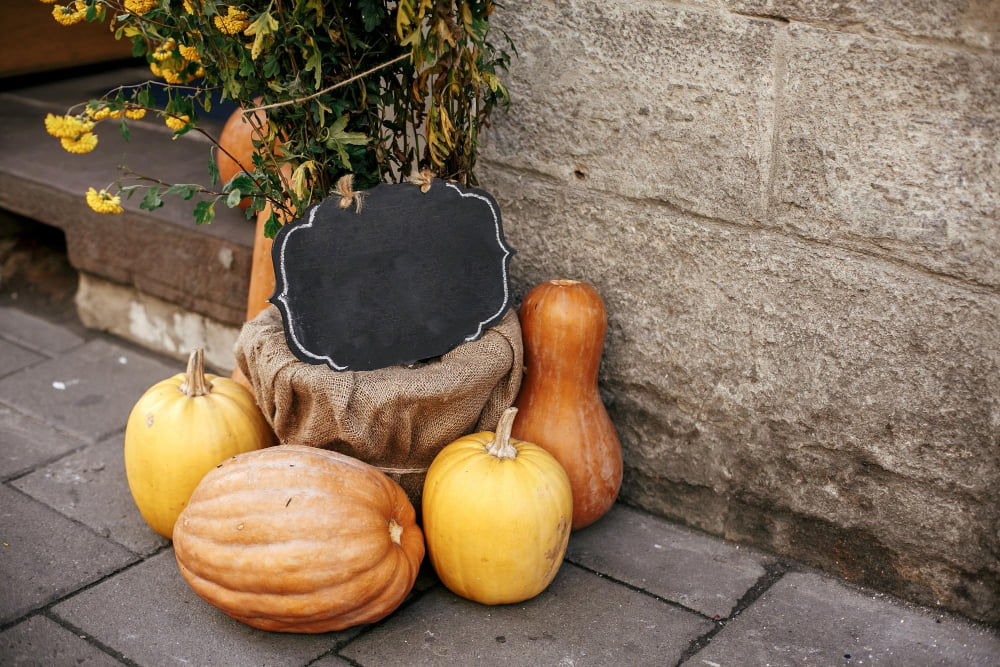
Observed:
{"x":500,"y":446}
{"x":195,"y":382}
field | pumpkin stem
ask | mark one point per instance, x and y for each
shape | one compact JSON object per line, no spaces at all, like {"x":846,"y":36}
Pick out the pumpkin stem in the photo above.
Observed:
{"x":395,"y":532}
{"x":501,"y":446}
{"x":195,"y":383}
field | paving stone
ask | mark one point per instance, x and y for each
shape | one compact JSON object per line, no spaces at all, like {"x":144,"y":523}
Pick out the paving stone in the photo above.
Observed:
{"x":90,"y":486}
{"x":26,"y":442}
{"x":41,"y":642}
{"x":35,"y":333}
{"x":702,"y":573}
{"x":14,"y":357}
{"x":809,"y":619}
{"x":45,"y":556}
{"x":330,"y":661}
{"x":153,"y":618}
{"x":581,"y":619}
{"x":88,"y":391}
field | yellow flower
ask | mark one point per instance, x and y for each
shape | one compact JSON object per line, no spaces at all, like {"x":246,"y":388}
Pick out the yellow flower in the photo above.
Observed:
{"x":104,"y":201}
{"x":49,"y":2}
{"x":67,"y":15}
{"x":171,"y":76}
{"x":139,"y":6}
{"x":177,"y":122}
{"x":80,"y":144}
{"x":189,"y":53}
{"x":235,"y":21}
{"x":99,"y":114}
{"x":189,"y":7}
{"x":67,"y":127}
{"x":135,"y":113}
{"x":165,"y":50}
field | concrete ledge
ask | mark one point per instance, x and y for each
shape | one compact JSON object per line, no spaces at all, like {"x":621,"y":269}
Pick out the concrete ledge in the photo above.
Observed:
{"x":154,"y":323}
{"x":163,"y":254}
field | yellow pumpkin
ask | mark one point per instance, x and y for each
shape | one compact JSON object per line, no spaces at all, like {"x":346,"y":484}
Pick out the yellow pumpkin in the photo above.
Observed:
{"x":180,"y":429}
{"x":497,"y":515}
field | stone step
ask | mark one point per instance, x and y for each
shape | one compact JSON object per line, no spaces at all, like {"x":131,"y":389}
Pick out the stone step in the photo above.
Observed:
{"x":154,"y":277}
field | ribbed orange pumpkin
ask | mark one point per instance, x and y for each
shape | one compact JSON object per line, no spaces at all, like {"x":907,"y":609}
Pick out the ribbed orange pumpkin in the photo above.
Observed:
{"x":299,"y":539}
{"x":563,"y":323}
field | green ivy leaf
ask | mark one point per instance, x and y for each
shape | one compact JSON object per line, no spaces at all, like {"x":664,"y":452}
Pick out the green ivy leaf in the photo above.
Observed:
{"x":271,"y":226}
{"x":204,"y":212}
{"x":152,"y":200}
{"x":262,"y":28}
{"x":339,"y":138}
{"x":242,"y":182}
{"x":213,"y":171}
{"x":128,"y":190}
{"x":183,"y":190}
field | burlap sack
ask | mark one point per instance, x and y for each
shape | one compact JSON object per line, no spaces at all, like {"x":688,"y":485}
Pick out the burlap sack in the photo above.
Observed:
{"x":396,"y":419}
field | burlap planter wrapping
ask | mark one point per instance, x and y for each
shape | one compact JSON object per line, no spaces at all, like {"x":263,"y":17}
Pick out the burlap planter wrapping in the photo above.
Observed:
{"x":396,"y":419}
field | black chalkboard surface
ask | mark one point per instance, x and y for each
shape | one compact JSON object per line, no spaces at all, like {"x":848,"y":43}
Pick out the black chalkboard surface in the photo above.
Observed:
{"x":407,"y":277}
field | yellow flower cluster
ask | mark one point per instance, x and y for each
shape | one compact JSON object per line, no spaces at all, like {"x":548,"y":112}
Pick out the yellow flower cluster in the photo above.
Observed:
{"x":189,"y":53}
{"x":81,"y":144}
{"x":130,"y":112}
{"x":177,"y":122}
{"x":165,"y":50}
{"x":74,"y":132}
{"x":139,"y":6}
{"x":67,"y":126}
{"x":104,"y":201}
{"x":235,"y":21}
{"x":69,"y":14}
{"x":171,"y":62}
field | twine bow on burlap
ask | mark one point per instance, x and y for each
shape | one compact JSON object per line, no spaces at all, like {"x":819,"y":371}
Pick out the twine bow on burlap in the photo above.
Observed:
{"x":348,"y":195}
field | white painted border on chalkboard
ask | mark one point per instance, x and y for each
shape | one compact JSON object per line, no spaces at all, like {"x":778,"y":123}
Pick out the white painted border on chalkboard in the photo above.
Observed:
{"x":503,"y":262}
{"x":289,"y":320}
{"x":283,"y":297}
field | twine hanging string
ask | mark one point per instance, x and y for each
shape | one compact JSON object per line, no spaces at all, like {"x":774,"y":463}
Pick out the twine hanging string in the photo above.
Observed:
{"x":423,"y":179}
{"x":300,"y":100}
{"x":348,"y":195}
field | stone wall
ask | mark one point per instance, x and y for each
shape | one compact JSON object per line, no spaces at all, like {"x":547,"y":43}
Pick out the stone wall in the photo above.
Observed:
{"x":791,"y":210}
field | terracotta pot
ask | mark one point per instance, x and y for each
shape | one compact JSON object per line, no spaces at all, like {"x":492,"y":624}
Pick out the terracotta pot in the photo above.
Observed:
{"x":261,"y":280}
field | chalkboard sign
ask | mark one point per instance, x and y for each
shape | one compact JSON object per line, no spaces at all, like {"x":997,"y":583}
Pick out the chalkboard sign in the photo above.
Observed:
{"x":409,"y":275}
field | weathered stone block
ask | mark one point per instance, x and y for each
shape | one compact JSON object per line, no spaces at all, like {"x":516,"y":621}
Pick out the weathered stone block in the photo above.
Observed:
{"x":822,"y":403}
{"x":892,"y":149}
{"x":154,"y":323}
{"x":974,"y":23}
{"x":684,"y":118}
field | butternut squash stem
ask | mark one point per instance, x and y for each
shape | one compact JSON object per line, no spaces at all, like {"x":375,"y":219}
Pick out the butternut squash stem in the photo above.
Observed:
{"x":500,"y":446}
{"x":195,"y":383}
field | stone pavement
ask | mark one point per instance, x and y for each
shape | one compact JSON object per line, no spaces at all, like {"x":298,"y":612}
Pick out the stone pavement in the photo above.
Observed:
{"x":83,"y":580}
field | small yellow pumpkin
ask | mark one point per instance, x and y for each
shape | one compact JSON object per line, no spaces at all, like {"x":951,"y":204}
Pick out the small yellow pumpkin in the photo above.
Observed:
{"x":497,"y":515}
{"x":180,"y":429}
